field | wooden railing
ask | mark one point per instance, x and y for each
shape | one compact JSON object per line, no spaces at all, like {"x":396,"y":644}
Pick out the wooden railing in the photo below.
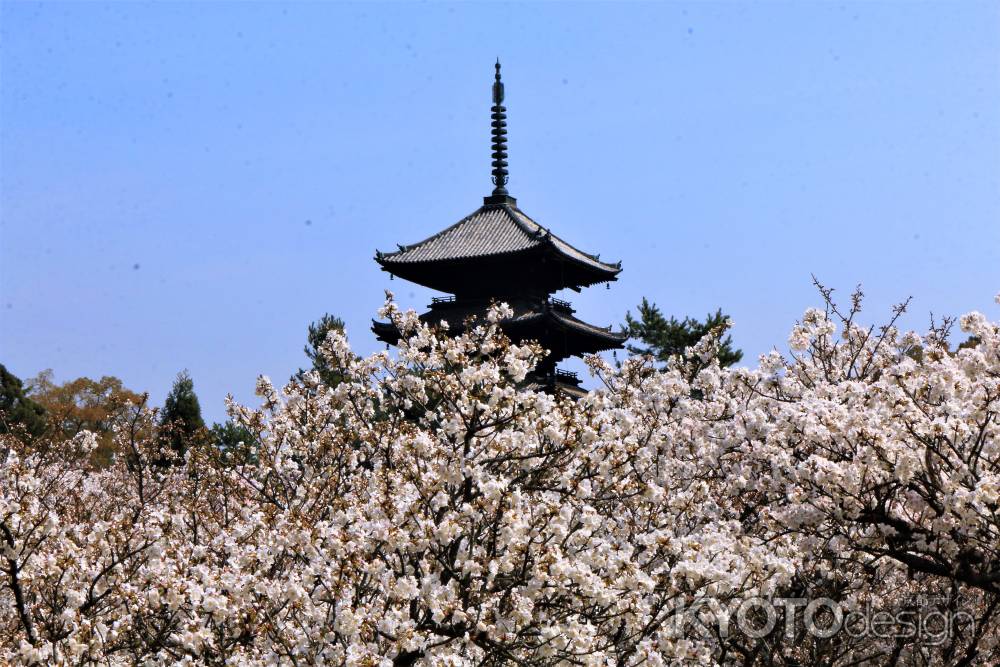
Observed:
{"x":561,"y":305}
{"x":560,"y":374}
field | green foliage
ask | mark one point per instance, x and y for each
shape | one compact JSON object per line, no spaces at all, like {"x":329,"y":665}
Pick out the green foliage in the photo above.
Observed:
{"x":318,"y":331}
{"x":235,"y":441}
{"x":662,"y":337}
{"x":181,"y":417}
{"x":970,"y":342}
{"x":17,"y":411}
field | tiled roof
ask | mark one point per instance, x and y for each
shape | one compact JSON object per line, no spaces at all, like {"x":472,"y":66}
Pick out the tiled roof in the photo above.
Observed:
{"x":564,"y":247}
{"x":580,"y":325}
{"x":491,"y":230}
{"x":571,"y":322}
{"x":609,"y":336}
{"x":573,"y":391}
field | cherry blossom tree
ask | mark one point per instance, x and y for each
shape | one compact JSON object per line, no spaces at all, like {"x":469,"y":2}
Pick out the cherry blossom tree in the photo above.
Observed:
{"x":428,"y":509}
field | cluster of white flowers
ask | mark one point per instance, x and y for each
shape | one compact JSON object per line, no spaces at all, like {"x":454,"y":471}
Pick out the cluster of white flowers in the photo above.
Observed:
{"x":430,"y":510}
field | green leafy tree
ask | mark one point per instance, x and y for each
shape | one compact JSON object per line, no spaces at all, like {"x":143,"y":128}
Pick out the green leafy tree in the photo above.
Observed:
{"x":181,"y":421}
{"x":663,"y":337}
{"x":318,"y":331}
{"x":18,"y":411}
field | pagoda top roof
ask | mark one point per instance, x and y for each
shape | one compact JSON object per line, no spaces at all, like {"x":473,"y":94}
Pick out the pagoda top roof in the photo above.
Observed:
{"x":499,"y":227}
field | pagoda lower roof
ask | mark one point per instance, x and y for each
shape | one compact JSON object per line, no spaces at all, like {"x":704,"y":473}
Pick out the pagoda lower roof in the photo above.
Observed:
{"x":498,"y":228}
{"x":552,"y":325}
{"x":604,"y":336}
{"x":574,"y":391}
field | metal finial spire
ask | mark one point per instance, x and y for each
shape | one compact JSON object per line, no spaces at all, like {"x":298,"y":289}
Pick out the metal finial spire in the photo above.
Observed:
{"x":499,"y":116}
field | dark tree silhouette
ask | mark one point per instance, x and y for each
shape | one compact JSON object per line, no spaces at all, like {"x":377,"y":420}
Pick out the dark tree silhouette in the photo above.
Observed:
{"x":16,"y":409}
{"x":318,"y":331}
{"x":181,"y":417}
{"x":663,"y":337}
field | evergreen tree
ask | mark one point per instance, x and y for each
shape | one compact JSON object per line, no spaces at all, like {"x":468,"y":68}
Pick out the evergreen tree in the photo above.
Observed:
{"x":16,"y":409}
{"x":181,"y":417}
{"x":662,"y":337}
{"x":235,"y":441}
{"x":318,"y":331}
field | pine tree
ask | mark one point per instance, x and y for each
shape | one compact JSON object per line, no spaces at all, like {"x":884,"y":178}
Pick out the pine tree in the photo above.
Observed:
{"x":17,"y":411}
{"x":181,"y":417}
{"x":235,"y":441}
{"x":318,"y":331}
{"x":663,"y":337}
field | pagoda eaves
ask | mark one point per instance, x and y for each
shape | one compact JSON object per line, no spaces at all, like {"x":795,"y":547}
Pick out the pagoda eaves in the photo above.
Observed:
{"x":549,"y":321}
{"x":519,"y":253}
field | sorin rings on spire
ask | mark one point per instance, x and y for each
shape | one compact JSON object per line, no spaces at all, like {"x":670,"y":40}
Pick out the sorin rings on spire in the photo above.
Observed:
{"x":499,"y":132}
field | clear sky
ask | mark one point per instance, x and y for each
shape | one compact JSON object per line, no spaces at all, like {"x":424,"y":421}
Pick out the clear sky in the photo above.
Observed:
{"x":189,"y":185}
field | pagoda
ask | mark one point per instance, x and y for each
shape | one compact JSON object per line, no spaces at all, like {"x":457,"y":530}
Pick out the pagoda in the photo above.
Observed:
{"x":498,"y":253}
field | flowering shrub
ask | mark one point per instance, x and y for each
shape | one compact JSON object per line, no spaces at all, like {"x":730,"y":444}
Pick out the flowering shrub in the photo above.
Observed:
{"x":429,"y":510}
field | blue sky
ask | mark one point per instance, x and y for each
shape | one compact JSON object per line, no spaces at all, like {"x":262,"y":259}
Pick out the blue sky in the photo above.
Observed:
{"x":189,"y":185}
